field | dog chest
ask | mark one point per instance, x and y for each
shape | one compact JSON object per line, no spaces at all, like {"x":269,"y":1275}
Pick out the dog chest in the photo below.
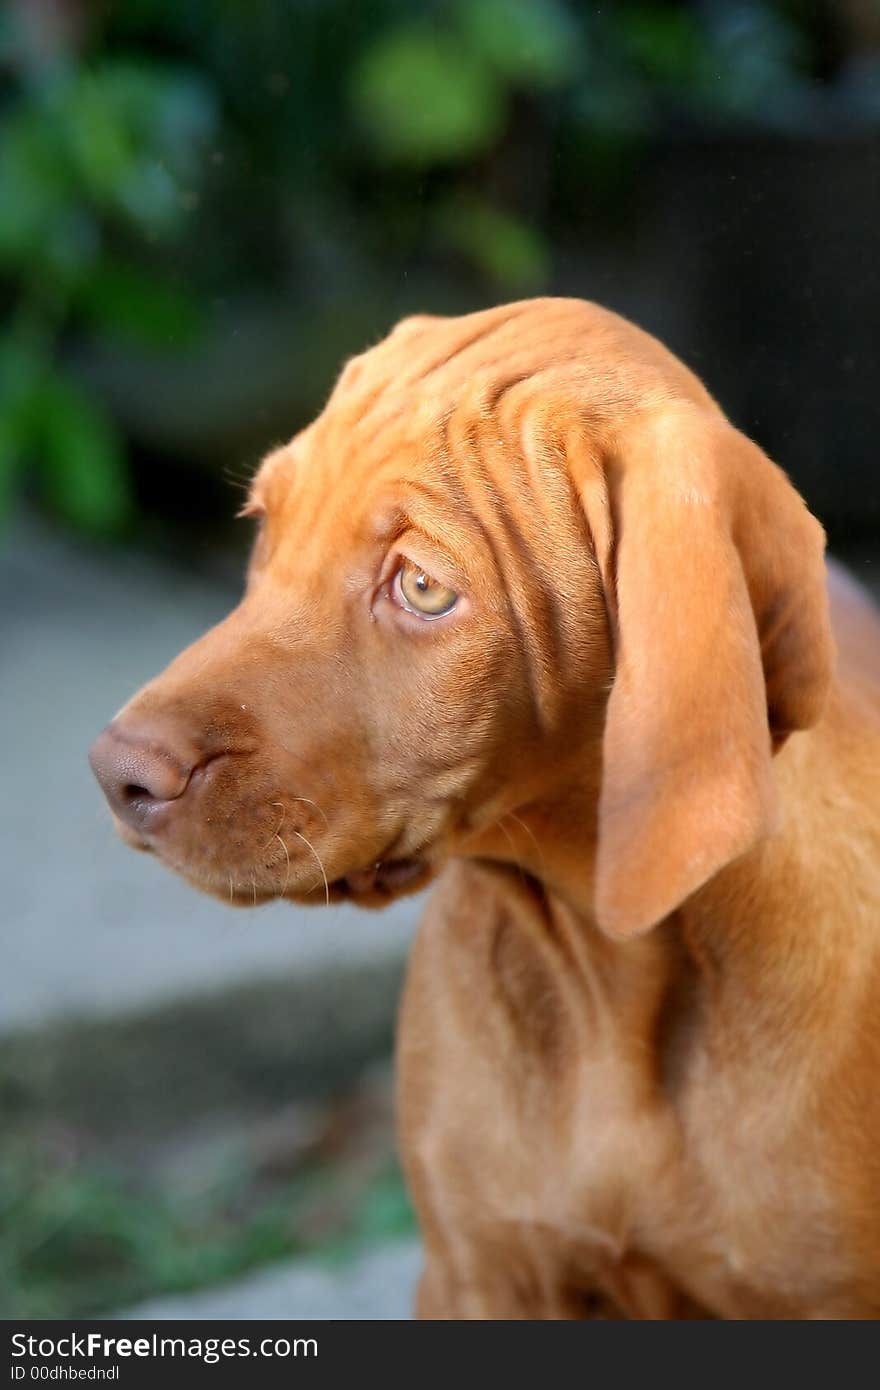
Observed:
{"x":553,"y":1114}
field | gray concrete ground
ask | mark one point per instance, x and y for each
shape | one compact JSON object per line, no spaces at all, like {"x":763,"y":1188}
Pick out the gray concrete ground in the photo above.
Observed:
{"x":87,"y":927}
{"x":378,"y":1285}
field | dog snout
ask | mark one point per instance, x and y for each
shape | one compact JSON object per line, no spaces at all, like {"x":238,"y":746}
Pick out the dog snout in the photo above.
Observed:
{"x":144,"y":770}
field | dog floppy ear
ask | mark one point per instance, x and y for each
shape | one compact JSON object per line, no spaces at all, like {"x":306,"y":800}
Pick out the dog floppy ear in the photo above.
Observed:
{"x":715,"y":582}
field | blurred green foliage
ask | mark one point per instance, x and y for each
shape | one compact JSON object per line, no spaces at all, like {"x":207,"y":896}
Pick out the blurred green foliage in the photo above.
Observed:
{"x":161,"y":161}
{"x":77,"y":1239}
{"x":93,"y":160}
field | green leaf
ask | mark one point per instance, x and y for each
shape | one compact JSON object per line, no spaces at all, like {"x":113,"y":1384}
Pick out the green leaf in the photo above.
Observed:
{"x":502,"y":246}
{"x":19,"y":373}
{"x":136,"y":136}
{"x":139,"y":308}
{"x":530,"y":42}
{"x":100,"y":136}
{"x":21,"y":370}
{"x":11,"y":462}
{"x":80,"y":462}
{"x":36,"y":189}
{"x":425,"y":99}
{"x":667,"y":46}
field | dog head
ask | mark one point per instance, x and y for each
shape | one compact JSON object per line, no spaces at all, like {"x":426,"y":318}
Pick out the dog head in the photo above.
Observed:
{"x":519,"y":555}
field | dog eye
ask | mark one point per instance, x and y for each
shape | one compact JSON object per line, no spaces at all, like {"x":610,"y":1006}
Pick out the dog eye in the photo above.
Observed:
{"x":417,"y":591}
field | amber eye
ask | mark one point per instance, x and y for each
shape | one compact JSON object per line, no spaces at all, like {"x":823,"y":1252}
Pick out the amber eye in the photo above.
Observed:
{"x":417,"y":591}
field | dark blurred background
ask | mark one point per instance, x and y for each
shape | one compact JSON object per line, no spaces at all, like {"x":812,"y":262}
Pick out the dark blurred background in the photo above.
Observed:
{"x":205,"y":207}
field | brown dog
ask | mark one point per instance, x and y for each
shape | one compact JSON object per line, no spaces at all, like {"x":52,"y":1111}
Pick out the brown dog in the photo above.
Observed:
{"x":524,"y":600}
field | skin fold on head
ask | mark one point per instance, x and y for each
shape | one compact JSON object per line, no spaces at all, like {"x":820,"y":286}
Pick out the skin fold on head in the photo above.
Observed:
{"x":517,"y":593}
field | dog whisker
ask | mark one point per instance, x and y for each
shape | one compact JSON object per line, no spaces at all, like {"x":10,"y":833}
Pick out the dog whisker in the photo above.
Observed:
{"x":238,"y":478}
{"x":530,"y":833}
{"x":509,"y":838}
{"x":309,"y":802}
{"x":310,"y":846}
{"x":287,"y":874}
{"x":277,"y":831}
{"x":307,"y":842}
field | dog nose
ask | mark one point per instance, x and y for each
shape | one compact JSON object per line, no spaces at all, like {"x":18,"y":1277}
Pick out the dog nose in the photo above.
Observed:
{"x":140,"y":773}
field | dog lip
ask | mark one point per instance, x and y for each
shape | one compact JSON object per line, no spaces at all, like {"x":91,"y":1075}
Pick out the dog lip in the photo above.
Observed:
{"x":385,"y":876}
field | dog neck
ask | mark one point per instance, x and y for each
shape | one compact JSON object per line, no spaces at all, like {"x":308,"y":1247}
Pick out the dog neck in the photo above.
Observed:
{"x":743,"y":932}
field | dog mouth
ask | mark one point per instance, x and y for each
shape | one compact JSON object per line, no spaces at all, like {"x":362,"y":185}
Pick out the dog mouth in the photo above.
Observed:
{"x":373,"y":885}
{"x":379,"y":882}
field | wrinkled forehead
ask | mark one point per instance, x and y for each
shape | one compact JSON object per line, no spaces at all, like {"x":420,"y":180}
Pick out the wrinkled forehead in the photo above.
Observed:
{"x":399,"y":396}
{"x":333,"y":473}
{"x":538,"y":365}
{"x":335,"y":497}
{"x":428,"y":367}
{"x":446,"y":418}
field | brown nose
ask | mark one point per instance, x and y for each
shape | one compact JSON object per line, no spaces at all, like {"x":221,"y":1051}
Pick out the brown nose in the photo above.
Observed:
{"x":140,"y":772}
